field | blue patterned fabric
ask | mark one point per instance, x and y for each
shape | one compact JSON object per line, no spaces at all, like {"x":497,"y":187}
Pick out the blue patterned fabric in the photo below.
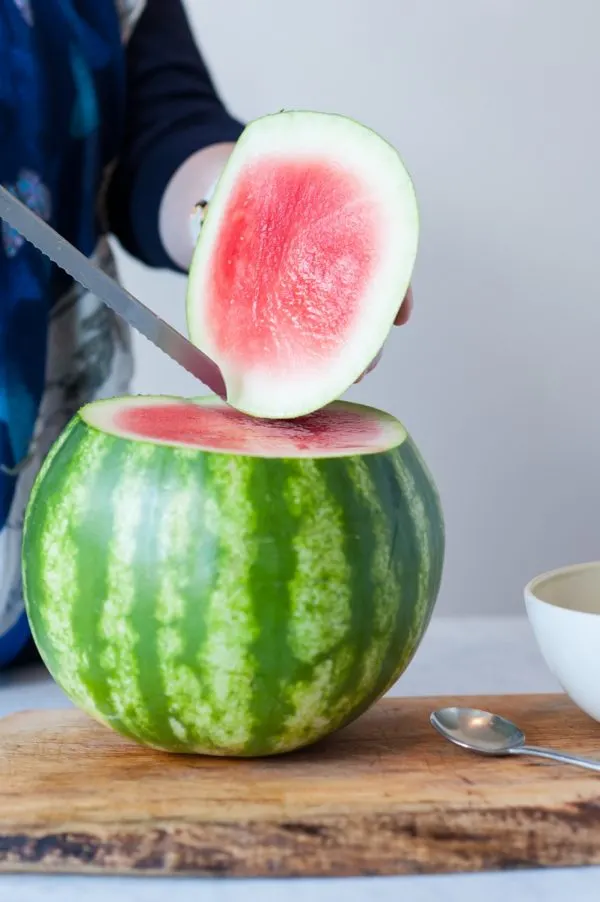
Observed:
{"x":62,"y":93}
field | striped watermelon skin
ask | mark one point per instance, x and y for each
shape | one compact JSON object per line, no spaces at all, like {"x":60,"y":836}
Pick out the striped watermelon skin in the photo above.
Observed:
{"x":222,"y":604}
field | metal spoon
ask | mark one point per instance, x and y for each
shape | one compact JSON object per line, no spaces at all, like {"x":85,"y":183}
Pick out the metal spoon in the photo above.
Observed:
{"x":490,"y":734}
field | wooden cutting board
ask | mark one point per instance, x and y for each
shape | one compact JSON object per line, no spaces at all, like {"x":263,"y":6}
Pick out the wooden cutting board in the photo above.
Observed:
{"x":386,"y":795}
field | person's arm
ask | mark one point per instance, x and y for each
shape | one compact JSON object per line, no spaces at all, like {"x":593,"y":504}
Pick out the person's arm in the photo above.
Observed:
{"x":177,"y":138}
{"x":178,"y":134}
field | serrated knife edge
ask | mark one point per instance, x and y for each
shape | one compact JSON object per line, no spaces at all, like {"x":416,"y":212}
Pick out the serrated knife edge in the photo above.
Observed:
{"x":133,"y":311}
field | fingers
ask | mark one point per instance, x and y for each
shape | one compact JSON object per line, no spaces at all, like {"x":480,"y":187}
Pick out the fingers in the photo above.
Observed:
{"x":402,"y":317}
{"x":406,"y":307}
{"x":371,"y":366}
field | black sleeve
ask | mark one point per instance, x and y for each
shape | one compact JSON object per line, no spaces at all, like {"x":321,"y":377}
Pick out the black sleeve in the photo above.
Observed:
{"x":172,"y":111}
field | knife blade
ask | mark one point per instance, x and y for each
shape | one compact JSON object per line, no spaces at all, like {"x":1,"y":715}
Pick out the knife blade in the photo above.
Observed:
{"x":97,"y":282}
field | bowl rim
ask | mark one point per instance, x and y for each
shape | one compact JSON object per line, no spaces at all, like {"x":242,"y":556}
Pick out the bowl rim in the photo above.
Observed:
{"x":557,"y":572}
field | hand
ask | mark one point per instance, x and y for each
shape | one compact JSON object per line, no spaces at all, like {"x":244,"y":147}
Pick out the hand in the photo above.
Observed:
{"x":402,"y":317}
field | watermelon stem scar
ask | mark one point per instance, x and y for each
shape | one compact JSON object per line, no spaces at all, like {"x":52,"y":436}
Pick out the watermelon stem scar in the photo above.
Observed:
{"x":305,"y":255}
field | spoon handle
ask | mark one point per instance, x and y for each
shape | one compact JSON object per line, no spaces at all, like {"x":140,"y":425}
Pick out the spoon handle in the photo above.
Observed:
{"x":562,"y":758}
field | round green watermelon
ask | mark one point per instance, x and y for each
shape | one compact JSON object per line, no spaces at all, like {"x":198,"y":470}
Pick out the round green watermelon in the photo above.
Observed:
{"x":202,"y":581}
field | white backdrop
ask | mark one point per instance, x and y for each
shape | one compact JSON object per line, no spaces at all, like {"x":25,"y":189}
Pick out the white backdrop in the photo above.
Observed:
{"x":494,"y":107}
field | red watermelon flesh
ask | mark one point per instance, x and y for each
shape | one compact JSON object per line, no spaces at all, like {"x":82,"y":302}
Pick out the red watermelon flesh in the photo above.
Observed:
{"x":300,"y":275}
{"x":303,"y":261}
{"x":340,"y":429}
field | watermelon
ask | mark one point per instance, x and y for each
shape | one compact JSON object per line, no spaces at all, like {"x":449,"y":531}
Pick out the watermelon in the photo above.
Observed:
{"x":205,"y":582}
{"x":303,"y":261}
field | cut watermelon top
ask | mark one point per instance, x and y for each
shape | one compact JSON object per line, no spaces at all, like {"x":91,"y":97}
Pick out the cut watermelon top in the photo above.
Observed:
{"x":338,"y":430}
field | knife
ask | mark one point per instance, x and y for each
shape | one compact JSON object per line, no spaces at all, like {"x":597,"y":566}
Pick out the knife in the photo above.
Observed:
{"x":96,"y":281}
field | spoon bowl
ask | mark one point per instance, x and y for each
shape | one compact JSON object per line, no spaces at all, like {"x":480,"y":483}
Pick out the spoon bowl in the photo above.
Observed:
{"x":479,"y":731}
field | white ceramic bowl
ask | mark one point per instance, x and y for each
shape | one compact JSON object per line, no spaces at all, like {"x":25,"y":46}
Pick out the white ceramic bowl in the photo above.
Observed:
{"x":563,"y":607}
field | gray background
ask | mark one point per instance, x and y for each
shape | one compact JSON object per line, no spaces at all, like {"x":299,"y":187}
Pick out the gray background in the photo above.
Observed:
{"x":494,"y":107}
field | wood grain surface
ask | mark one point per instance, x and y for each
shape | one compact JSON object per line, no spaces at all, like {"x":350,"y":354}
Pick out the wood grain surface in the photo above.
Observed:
{"x":386,"y":795}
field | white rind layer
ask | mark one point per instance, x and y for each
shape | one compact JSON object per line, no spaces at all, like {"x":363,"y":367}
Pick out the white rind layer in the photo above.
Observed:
{"x":377,"y":165}
{"x":101,"y":415}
